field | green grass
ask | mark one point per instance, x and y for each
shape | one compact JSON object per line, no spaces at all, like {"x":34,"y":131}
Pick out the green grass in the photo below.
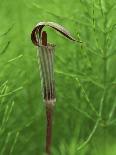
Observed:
{"x":85,"y":111}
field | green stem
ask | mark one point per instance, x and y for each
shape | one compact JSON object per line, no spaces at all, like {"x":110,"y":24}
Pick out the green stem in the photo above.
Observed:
{"x":105,"y":62}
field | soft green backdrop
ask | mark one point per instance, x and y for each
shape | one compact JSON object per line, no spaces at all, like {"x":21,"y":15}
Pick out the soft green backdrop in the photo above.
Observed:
{"x":85,"y":74}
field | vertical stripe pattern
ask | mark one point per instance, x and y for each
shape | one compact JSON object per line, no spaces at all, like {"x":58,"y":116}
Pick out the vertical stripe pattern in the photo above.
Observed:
{"x":46,"y":60}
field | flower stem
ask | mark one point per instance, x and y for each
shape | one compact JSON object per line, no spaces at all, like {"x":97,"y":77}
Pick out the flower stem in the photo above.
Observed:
{"x":49,"y":115}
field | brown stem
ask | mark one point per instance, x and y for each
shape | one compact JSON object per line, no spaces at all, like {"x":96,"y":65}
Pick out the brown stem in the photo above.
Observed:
{"x":49,"y":114}
{"x":49,"y":109}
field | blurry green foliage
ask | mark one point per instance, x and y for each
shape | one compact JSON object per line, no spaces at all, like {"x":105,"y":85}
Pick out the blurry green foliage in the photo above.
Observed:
{"x":85,"y":112}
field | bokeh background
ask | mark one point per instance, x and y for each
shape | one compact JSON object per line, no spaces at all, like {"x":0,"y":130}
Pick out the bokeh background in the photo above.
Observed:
{"x":85,"y":74}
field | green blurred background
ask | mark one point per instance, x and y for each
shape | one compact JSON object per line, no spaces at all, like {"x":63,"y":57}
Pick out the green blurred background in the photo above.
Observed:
{"x":85,"y":74}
